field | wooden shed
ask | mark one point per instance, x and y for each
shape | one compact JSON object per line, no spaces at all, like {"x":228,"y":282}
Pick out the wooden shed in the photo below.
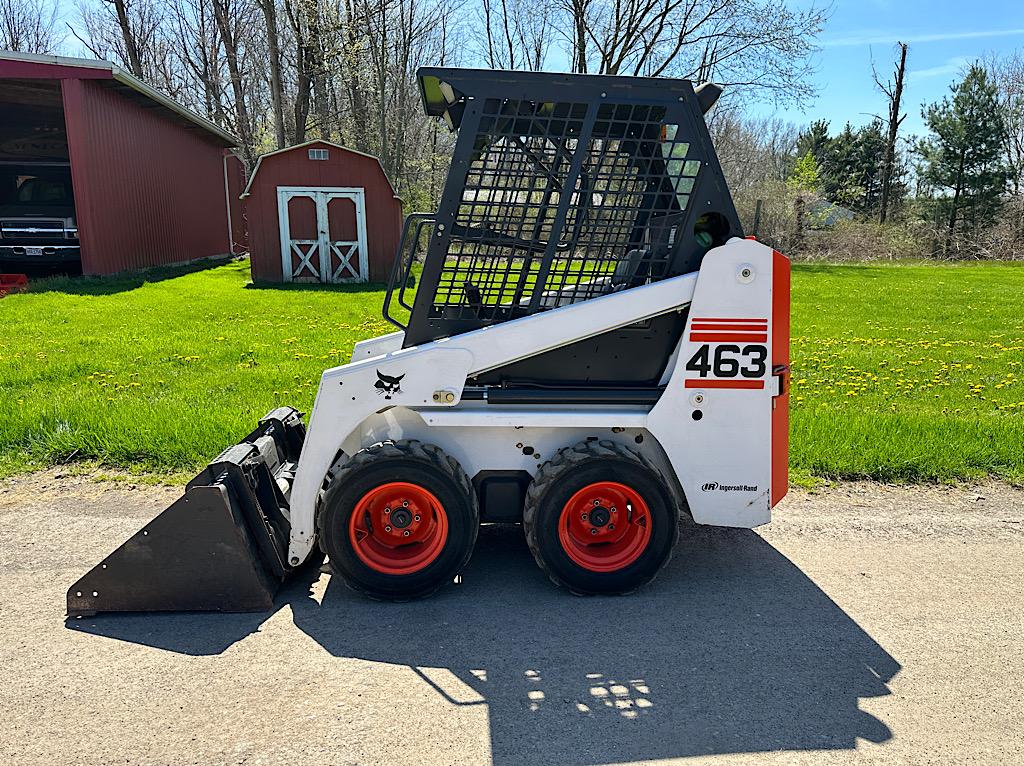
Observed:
{"x":320,"y":212}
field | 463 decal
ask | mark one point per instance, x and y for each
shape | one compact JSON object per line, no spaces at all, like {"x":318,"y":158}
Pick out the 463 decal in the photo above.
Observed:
{"x":730,"y":360}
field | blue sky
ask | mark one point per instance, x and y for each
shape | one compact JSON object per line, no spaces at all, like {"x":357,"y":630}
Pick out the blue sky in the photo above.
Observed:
{"x":944,"y":35}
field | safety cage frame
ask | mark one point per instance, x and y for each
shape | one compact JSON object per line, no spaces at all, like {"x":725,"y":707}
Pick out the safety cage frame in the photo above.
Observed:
{"x":562,"y":187}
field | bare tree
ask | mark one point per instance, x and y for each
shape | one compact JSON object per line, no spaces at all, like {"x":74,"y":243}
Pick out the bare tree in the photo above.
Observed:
{"x":129,"y":33}
{"x":752,"y":151}
{"x":893,"y":90}
{"x":269,"y":9}
{"x":231,"y":20}
{"x":197,"y":47}
{"x":131,"y":45}
{"x":751,"y":45}
{"x":1008,"y":73}
{"x":516,"y":34}
{"x":353,"y":81}
{"x":28,"y":26}
{"x":313,"y":26}
{"x":275,"y":72}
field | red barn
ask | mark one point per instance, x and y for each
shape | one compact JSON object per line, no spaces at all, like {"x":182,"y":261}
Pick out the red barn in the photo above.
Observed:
{"x":145,"y":181}
{"x":320,"y":212}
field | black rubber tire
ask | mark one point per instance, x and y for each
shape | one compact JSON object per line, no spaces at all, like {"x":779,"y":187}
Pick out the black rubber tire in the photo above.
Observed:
{"x":573,"y":468}
{"x":411,"y":461}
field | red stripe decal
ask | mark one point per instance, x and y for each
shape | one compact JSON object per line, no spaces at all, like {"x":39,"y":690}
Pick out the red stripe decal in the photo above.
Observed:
{"x":736,"y":328}
{"x":717,"y":337}
{"x":737,"y":321}
{"x":719,"y":383}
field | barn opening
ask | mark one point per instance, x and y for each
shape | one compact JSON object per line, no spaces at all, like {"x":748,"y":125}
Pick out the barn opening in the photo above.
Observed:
{"x":38,"y":220}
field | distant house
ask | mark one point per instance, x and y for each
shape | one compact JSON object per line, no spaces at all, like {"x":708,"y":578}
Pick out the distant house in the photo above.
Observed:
{"x":827,"y":215}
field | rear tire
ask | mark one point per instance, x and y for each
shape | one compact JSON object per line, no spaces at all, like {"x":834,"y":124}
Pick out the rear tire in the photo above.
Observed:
{"x":599,"y":518}
{"x":398,"y":520}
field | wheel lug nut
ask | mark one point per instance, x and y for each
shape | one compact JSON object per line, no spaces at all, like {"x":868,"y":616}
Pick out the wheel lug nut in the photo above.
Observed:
{"x":597,"y":503}
{"x":405,"y":503}
{"x":387,"y":510}
{"x":387,"y":528}
{"x":593,"y":530}
{"x":405,"y":533}
{"x":614,"y":509}
{"x":611,"y":526}
{"x":415,"y":518}
{"x":583,"y":516}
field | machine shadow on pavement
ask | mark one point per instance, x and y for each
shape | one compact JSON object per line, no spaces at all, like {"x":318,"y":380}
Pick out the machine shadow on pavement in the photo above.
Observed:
{"x":731,"y":650}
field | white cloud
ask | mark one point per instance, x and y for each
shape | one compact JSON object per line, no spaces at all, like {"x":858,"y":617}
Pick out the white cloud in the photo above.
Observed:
{"x":951,"y":67}
{"x":890,"y":38}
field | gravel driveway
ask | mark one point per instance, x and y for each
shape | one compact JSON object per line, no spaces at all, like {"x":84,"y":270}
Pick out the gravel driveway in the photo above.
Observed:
{"x":866,"y":624}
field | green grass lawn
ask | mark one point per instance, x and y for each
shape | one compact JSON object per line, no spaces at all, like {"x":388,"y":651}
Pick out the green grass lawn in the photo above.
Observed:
{"x":162,"y":376}
{"x":908,"y":372}
{"x":900,"y":372}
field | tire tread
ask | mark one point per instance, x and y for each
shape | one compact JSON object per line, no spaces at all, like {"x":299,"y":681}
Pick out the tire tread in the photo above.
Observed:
{"x":431,"y":454}
{"x":565,"y":460}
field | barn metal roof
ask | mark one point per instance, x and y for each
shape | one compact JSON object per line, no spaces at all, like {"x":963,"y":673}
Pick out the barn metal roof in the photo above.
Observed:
{"x":76,"y":68}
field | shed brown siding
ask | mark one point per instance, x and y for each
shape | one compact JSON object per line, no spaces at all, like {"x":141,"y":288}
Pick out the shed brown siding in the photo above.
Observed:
{"x":148,"y":192}
{"x":343,"y":168}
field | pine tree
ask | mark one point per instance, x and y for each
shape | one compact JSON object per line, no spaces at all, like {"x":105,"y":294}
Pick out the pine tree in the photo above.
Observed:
{"x":870,"y":153}
{"x":851,"y":172}
{"x":962,"y":158}
{"x":814,"y":140}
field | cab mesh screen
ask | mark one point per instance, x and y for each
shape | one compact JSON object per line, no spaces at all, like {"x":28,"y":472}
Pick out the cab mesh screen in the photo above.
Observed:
{"x":563,"y":202}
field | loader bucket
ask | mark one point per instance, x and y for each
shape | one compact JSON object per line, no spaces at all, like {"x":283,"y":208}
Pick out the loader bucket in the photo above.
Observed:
{"x":222,"y":546}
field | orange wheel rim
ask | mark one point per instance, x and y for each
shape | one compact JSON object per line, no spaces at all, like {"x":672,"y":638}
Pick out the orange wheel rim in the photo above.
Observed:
{"x":398,"y":528}
{"x":605,"y":527}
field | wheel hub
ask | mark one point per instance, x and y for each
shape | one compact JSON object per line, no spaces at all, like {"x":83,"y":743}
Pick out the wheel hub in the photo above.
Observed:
{"x":600,"y":516}
{"x":401,"y":517}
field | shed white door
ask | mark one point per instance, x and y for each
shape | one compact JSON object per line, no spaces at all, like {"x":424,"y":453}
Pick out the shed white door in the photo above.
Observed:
{"x":323,"y":234}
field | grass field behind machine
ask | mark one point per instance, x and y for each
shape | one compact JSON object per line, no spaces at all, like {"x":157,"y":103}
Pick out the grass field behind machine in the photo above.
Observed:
{"x":900,"y":372}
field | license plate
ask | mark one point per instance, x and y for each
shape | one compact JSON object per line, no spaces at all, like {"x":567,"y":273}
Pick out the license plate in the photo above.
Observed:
{"x":33,"y":251}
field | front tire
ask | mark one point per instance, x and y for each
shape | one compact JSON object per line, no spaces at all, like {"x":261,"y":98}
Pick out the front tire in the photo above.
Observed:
{"x":600,"y":519}
{"x":398,"y":520}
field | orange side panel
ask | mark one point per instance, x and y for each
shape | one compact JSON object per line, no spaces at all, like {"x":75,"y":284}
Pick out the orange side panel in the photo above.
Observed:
{"x":780,"y":359}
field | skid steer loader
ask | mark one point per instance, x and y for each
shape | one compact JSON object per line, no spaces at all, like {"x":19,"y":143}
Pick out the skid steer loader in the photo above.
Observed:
{"x":591,"y":349}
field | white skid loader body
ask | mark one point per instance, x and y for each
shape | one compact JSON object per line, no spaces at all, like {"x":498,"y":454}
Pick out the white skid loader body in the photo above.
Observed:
{"x":592,"y":350}
{"x":712,"y":428}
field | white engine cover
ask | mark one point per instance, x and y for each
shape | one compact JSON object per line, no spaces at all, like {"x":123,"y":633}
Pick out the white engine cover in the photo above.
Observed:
{"x":720,"y":427}
{"x":715,"y":419}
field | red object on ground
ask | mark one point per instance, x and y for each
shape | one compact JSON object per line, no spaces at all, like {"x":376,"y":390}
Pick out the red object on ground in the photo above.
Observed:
{"x":13,"y":283}
{"x":605,"y":526}
{"x":398,"y":528}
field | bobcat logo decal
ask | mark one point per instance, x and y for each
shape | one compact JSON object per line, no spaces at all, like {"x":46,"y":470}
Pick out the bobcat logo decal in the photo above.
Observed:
{"x":388,"y":385}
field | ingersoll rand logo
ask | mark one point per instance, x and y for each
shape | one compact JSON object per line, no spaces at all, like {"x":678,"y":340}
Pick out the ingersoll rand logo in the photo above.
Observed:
{"x":714,"y":486}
